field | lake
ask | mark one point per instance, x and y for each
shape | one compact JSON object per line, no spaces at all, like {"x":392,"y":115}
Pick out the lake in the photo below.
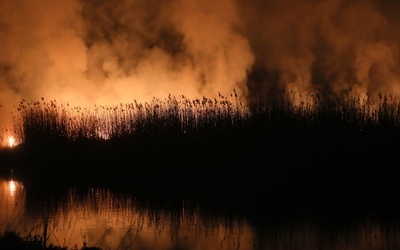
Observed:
{"x":109,"y":219}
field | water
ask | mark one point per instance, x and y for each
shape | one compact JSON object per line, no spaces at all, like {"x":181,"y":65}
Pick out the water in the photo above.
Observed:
{"x":111,"y":220}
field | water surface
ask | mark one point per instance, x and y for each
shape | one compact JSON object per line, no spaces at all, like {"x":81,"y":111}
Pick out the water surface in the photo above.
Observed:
{"x":103,"y":218}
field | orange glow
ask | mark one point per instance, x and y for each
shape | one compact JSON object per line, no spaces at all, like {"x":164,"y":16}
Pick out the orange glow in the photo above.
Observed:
{"x":193,"y":48}
{"x":103,"y":135}
{"x":11,"y":141}
{"x":12,"y":188}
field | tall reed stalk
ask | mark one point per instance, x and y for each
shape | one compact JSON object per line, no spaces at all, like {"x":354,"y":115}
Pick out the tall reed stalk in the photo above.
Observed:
{"x":42,"y":120}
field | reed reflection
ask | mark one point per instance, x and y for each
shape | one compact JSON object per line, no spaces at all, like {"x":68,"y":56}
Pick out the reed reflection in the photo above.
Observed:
{"x":101,"y":218}
{"x":113,"y":221}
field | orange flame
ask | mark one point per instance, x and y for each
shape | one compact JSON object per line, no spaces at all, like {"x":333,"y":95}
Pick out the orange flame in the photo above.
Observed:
{"x":11,"y":141}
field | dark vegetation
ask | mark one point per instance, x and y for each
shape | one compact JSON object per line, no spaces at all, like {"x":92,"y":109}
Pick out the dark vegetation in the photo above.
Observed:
{"x":288,"y":150}
{"x":11,"y":240}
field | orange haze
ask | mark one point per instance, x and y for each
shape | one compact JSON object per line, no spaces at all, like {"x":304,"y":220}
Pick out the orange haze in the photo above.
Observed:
{"x":107,"y":52}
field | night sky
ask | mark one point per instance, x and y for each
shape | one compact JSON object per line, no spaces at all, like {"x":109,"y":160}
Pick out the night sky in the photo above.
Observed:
{"x":109,"y":52}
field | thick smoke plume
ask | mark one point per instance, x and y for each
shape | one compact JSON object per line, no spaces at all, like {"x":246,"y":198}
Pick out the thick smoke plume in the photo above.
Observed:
{"x":108,"y":52}
{"x":330,"y":45}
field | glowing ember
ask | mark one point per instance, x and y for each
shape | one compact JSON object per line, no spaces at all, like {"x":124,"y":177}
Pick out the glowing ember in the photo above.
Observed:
{"x":11,"y":141}
{"x":103,"y":135}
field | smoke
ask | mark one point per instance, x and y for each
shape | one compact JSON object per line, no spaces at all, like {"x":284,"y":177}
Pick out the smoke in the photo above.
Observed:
{"x":327,"y":46}
{"x":42,"y":52}
{"x":106,"y":52}
{"x":143,"y":49}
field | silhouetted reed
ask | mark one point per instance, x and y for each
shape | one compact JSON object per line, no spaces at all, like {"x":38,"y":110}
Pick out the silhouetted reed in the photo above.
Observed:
{"x":329,"y":112}
{"x":42,"y":120}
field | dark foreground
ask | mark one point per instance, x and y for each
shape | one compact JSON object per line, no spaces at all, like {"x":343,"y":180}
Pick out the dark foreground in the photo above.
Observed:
{"x":306,"y":169}
{"x":336,"y":173}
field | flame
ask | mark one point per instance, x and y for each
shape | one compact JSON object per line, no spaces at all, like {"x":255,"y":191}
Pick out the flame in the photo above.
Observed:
{"x":11,"y":141}
{"x":8,"y":140}
{"x":103,"y":135}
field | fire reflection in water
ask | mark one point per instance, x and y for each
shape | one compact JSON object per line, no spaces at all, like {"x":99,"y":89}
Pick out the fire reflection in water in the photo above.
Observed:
{"x":12,"y":204}
{"x":107,"y":220}
{"x":110,"y":221}
{"x":12,"y":189}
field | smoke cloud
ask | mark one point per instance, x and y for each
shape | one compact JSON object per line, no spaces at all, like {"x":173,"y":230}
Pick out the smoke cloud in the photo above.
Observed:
{"x":330,"y":45}
{"x":106,"y":52}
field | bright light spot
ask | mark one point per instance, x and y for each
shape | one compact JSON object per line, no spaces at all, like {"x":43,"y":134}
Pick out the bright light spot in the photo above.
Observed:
{"x":11,"y":141}
{"x":12,"y":188}
{"x":103,"y":135}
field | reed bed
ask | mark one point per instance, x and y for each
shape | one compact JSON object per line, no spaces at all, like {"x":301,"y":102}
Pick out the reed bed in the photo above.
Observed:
{"x":285,"y":144}
{"x":40,"y":120}
{"x":328,"y":112}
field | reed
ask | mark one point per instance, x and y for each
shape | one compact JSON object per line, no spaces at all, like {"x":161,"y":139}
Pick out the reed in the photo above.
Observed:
{"x":328,"y":112}
{"x":39,"y":121}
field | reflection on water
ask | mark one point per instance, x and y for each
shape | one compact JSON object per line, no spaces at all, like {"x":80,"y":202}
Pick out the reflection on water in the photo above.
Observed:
{"x":12,"y":203}
{"x":101,"y":218}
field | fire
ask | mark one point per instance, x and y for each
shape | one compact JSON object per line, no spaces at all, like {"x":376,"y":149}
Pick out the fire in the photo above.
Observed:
{"x":103,"y":135}
{"x":11,"y":141}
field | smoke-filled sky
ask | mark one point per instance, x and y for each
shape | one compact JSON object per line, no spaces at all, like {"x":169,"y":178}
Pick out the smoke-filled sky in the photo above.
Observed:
{"x":106,"y":52}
